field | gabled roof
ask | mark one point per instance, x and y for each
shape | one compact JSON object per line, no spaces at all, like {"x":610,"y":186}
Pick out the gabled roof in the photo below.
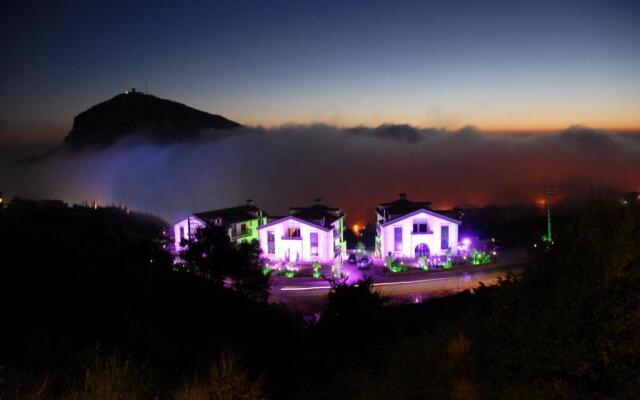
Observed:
{"x":295,"y":218}
{"x":317,"y":214}
{"x":400,"y":207}
{"x":231,"y":215}
{"x":416,"y":212}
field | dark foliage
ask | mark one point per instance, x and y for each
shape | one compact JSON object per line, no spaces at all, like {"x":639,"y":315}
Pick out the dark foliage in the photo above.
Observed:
{"x":571,"y":323}
{"x":213,"y":256}
{"x":352,"y":307}
{"x":74,"y":279}
{"x":567,"y":328}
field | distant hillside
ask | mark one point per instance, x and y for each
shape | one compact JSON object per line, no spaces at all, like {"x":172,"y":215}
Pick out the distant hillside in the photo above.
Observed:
{"x":136,"y":114}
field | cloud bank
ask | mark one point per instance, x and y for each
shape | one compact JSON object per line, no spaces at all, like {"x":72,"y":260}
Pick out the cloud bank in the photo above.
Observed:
{"x":350,"y":168}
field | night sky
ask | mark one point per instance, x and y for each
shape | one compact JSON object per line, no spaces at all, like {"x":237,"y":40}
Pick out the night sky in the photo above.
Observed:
{"x":497,"y":65}
{"x":483,"y":101}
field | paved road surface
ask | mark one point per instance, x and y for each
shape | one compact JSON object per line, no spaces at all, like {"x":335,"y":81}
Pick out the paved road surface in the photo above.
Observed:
{"x":403,"y":287}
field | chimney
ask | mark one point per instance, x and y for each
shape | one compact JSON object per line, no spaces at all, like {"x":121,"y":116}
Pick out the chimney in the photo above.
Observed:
{"x":319,"y":202}
{"x":402,"y":196}
{"x":249,"y":202}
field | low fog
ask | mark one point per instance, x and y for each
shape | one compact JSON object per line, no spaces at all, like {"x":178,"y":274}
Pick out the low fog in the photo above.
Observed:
{"x":349,"y":168}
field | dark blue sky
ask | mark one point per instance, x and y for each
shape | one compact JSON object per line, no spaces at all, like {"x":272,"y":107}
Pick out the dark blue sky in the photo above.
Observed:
{"x":499,"y":65}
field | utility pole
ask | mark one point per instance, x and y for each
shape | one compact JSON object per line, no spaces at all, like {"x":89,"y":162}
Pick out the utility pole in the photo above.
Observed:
{"x":548,"y":238}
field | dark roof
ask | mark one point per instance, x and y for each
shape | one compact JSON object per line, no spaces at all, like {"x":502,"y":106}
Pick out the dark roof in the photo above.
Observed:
{"x":232,"y":215}
{"x":318,"y":214}
{"x":400,"y":207}
{"x":293,"y":217}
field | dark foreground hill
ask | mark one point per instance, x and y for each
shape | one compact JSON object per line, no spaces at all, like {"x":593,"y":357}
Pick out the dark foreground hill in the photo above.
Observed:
{"x":145,"y":116}
{"x":93,"y":308}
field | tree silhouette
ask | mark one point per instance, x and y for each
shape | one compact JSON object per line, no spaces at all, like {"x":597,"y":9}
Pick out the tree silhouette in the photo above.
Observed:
{"x":354,"y":307}
{"x":224,"y":263}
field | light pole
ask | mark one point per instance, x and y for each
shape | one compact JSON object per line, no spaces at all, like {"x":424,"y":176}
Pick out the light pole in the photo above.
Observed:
{"x":548,"y":239}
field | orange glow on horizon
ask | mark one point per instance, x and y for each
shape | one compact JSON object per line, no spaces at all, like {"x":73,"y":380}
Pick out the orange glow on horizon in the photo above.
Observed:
{"x":512,"y":128}
{"x":356,"y":229}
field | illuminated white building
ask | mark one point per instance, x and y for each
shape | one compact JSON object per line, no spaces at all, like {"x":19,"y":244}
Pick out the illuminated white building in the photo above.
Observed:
{"x":307,"y":234}
{"x":410,"y":230}
{"x":241,"y":223}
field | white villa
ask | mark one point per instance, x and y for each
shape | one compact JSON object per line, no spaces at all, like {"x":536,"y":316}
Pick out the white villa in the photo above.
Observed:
{"x":240,"y":222}
{"x":410,"y":230}
{"x":307,"y":234}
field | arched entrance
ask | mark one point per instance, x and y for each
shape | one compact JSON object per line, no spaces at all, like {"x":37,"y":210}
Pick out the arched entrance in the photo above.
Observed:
{"x":291,"y":255}
{"x":422,"y":250}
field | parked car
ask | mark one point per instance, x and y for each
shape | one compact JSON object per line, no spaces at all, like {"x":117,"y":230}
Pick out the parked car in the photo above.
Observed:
{"x":353,"y":259}
{"x":365,"y":262}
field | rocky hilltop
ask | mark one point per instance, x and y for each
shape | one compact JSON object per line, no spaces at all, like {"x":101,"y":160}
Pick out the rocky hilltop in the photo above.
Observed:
{"x":139,"y":115}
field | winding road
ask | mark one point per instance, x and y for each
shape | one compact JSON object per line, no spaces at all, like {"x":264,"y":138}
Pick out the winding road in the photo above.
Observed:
{"x":410,"y":286}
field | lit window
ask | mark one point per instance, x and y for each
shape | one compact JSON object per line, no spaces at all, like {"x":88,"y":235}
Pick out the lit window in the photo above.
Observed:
{"x":313,"y":239}
{"x":397,"y":236}
{"x":271,"y":243}
{"x":444,"y":237}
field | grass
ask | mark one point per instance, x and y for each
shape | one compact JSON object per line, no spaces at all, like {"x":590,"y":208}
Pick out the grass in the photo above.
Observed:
{"x":112,"y":378}
{"x":117,"y":378}
{"x":226,"y":381}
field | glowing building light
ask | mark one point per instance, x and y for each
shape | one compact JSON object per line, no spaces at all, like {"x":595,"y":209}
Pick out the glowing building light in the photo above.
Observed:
{"x":356,"y":229}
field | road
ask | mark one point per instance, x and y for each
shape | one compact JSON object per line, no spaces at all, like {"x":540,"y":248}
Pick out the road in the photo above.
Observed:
{"x":305,"y":293}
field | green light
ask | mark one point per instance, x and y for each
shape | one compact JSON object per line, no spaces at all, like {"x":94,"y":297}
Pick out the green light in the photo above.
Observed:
{"x":422,"y":263}
{"x":548,"y":238}
{"x":316,"y":269}
{"x":479,"y":257}
{"x":393,"y":266}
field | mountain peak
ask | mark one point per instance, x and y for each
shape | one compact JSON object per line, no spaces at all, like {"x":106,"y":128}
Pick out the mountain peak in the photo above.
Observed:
{"x":134,"y":113}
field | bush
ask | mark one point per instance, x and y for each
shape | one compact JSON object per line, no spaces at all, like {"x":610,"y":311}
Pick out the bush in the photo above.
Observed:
{"x":479,"y":257}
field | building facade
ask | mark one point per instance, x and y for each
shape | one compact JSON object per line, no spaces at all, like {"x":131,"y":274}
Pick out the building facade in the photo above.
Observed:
{"x":307,"y":234}
{"x":410,"y":230}
{"x":241,"y":223}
